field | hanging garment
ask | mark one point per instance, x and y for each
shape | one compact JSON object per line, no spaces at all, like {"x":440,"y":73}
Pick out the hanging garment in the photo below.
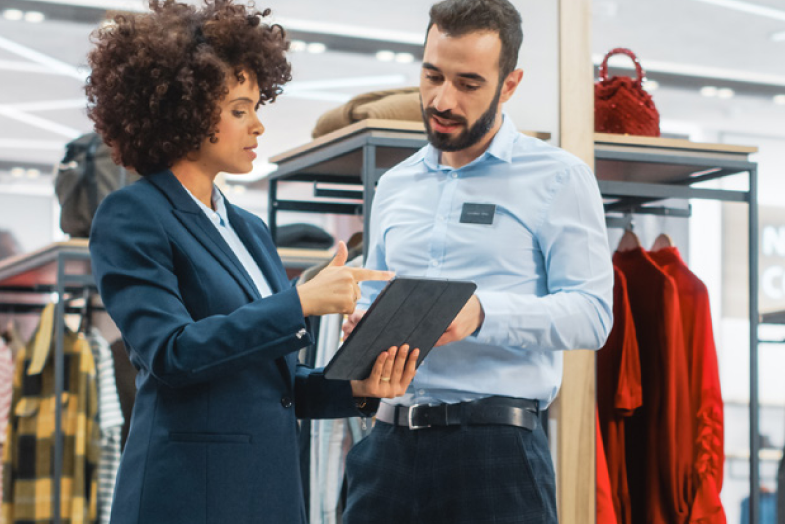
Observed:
{"x":619,"y":394}
{"x":327,"y":438}
{"x":659,"y":434}
{"x":30,"y":443}
{"x":606,"y":514}
{"x":705,"y":395}
{"x":110,"y":421}
{"x":6,"y":379}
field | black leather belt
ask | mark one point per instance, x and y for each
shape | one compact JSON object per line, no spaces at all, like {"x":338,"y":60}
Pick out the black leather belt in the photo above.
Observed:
{"x":506,"y":411}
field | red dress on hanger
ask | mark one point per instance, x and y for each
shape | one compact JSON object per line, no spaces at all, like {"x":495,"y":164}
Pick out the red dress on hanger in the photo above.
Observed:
{"x":659,"y":434}
{"x":705,"y":395}
{"x":619,"y":394}
{"x":605,"y":512}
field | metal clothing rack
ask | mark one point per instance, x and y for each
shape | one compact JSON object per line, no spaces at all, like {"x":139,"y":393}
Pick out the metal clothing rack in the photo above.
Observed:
{"x":634,"y":175}
{"x":636,"y":171}
{"x":27,"y":283}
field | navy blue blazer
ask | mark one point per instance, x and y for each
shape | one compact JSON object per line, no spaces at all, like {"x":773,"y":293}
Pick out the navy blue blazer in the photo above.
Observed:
{"x":213,"y":434}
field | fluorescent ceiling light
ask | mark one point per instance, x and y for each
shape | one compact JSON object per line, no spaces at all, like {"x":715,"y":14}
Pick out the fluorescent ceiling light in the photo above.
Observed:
{"x":779,"y":100}
{"x":404,"y":58}
{"x":747,"y":7}
{"x":41,"y":123}
{"x":725,"y":92}
{"x":34,"y":17}
{"x":385,"y":56}
{"x":27,"y":67}
{"x":708,"y":91}
{"x":297,"y":45}
{"x":651,"y":85}
{"x":13,"y":14}
{"x":54,"y":65}
{"x":316,"y":48}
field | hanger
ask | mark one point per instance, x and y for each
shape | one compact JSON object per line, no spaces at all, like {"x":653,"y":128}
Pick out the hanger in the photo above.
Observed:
{"x":629,"y":240}
{"x":662,"y":241}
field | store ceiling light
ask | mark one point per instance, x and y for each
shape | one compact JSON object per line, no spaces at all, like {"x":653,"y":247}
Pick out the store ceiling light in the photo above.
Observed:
{"x":725,"y":92}
{"x":33,"y":173}
{"x":297,"y":45}
{"x":17,"y":172}
{"x":709,"y":91}
{"x":385,"y":56}
{"x":404,"y":58}
{"x":13,"y":14}
{"x":747,"y":7}
{"x":316,"y":48}
{"x":34,"y":17}
{"x":651,"y":85}
{"x":779,"y":100}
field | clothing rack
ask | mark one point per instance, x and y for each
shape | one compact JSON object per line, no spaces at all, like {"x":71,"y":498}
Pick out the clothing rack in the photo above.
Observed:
{"x":62,"y":269}
{"x":634,"y":175}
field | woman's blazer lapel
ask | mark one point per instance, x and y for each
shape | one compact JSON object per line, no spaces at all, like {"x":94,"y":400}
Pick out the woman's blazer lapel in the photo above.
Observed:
{"x":194,"y":220}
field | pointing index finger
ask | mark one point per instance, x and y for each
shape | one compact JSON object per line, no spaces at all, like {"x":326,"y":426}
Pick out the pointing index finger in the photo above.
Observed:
{"x":362,"y":274}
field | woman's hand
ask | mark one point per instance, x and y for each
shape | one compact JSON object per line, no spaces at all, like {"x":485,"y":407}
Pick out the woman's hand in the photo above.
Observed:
{"x":391,"y":374}
{"x":335,"y":289}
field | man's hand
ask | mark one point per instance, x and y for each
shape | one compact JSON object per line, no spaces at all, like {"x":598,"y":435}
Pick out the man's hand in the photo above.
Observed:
{"x":391,"y":374}
{"x":351,"y":322}
{"x":335,"y":289}
{"x":468,"y":320}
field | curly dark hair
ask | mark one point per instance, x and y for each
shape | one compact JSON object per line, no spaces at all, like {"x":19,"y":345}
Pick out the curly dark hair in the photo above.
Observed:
{"x":157,"y":78}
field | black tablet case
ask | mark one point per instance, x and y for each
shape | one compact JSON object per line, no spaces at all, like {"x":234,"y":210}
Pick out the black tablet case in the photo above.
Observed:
{"x":414,"y":311}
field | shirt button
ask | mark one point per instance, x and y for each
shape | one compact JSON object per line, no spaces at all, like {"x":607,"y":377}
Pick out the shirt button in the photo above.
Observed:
{"x":434,"y":263}
{"x":286,"y":402}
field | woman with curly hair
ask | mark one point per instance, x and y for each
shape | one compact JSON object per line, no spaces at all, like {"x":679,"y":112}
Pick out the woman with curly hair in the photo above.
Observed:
{"x":195,"y":284}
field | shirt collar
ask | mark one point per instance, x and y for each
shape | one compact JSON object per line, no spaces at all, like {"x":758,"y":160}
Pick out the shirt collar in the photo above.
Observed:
{"x":500,"y":146}
{"x":218,"y":202}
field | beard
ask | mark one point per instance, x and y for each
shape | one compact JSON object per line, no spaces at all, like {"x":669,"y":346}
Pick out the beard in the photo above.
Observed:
{"x":470,"y":135}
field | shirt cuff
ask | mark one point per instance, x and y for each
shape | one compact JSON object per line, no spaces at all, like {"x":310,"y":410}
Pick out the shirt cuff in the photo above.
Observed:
{"x":492,"y":330}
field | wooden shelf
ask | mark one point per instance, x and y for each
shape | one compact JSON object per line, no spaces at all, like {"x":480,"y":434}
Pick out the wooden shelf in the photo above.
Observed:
{"x":39,"y":268}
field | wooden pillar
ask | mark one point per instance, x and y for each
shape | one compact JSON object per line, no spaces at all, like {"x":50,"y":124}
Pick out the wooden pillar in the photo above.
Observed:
{"x":576,"y":406}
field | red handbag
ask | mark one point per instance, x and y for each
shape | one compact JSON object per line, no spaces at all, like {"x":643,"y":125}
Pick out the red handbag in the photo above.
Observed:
{"x":621,"y":105}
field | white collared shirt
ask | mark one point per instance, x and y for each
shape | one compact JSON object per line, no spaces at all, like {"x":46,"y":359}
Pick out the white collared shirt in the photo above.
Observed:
{"x":220,"y":220}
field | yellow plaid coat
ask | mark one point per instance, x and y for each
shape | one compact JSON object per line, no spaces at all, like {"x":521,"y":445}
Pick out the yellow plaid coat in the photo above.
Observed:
{"x":27,"y":456}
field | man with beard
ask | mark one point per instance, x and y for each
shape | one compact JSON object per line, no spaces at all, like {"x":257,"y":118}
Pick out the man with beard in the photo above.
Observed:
{"x":523,"y":220}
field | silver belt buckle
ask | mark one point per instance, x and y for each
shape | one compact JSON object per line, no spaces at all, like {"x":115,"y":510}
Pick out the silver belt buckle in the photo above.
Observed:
{"x":411,"y":413}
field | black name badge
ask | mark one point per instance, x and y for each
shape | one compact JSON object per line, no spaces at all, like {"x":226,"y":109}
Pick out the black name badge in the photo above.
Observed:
{"x":478,"y":213}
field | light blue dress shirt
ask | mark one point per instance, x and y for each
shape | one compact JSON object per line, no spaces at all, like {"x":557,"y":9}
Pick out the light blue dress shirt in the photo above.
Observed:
{"x":542,"y":268}
{"x":220,"y":220}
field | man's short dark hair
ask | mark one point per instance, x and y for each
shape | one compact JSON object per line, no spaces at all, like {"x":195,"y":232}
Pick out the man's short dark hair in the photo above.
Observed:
{"x":461,"y":17}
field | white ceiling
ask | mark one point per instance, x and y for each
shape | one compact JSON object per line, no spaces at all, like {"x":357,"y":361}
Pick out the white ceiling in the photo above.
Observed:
{"x":42,"y":66}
